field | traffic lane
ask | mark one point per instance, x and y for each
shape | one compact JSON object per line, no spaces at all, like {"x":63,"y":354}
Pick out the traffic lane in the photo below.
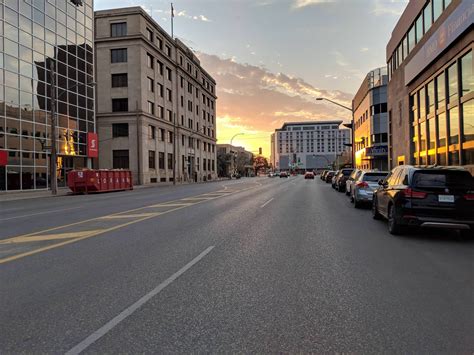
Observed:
{"x":26,"y":216}
{"x":305,"y":281}
{"x":54,"y":299}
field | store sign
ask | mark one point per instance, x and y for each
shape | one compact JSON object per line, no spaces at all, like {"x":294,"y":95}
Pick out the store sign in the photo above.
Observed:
{"x":459,"y":21}
{"x":92,"y":145}
{"x":3,"y":157}
{"x":376,"y":151}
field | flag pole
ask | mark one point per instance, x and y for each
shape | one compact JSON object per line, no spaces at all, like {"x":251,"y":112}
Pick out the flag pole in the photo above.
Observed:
{"x":172,"y":17}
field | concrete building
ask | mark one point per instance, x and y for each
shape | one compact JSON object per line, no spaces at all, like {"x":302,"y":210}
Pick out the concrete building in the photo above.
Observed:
{"x":371,"y":122}
{"x":310,"y":145}
{"x":40,"y":41}
{"x":234,"y":159}
{"x":431,"y":84}
{"x":156,"y":104}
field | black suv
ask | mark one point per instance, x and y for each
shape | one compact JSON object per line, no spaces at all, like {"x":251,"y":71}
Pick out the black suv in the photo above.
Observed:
{"x":421,"y":196}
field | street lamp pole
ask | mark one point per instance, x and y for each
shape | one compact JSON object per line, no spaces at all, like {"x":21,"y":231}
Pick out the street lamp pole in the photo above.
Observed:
{"x":351,"y":126}
{"x":234,"y":168}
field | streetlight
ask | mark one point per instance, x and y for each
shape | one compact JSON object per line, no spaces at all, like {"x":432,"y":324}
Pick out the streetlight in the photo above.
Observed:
{"x":234,"y":167}
{"x":351,"y":126}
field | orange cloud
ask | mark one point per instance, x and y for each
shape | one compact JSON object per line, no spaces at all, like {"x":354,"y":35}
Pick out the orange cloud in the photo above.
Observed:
{"x":255,"y":101}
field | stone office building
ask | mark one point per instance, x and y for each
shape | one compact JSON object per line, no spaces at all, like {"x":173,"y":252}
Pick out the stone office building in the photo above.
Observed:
{"x":40,"y":40}
{"x":431,"y":84}
{"x":371,"y":122}
{"x":156,"y":104}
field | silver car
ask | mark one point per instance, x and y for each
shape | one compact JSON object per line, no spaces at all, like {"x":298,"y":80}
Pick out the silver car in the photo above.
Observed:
{"x":351,"y":181}
{"x":365,"y":185}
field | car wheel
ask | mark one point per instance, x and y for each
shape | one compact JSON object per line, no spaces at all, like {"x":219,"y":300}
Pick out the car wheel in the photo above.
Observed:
{"x":393,"y":226}
{"x":347,"y":192}
{"x":375,"y":211}
{"x":356,"y":203}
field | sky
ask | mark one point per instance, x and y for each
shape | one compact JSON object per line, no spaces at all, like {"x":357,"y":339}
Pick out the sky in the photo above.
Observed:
{"x":272,"y":58}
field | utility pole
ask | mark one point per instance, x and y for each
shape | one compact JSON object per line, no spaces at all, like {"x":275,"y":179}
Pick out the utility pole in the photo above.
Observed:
{"x":54,"y":158}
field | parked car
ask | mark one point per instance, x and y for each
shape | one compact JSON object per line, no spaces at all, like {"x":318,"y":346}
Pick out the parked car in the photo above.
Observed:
{"x":362,"y":190}
{"x":309,"y":175}
{"x":284,"y":174}
{"x":333,"y":180}
{"x":323,"y":175}
{"x":350,"y":181}
{"x":271,"y":174}
{"x":436,"y":197}
{"x":329,"y":176}
{"x":341,"y":178}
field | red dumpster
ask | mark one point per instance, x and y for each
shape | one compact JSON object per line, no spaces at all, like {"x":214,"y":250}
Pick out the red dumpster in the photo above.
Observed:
{"x":89,"y":181}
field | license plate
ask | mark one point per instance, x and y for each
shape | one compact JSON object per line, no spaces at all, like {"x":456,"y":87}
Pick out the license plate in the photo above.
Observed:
{"x":446,"y":198}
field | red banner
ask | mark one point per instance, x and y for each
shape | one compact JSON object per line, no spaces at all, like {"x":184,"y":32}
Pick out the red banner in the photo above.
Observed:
{"x":92,"y":145}
{"x":3,"y":157}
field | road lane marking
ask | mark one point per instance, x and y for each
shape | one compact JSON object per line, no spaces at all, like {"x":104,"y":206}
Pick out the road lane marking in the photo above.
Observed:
{"x":45,"y":237}
{"x":266,"y":203}
{"x":136,"y":215}
{"x":99,"y":333}
{"x":181,"y":204}
{"x":38,"y":213}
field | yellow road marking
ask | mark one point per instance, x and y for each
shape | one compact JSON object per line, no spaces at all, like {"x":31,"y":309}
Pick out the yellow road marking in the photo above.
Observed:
{"x":136,"y":215}
{"x":88,"y":234}
{"x":40,"y":238}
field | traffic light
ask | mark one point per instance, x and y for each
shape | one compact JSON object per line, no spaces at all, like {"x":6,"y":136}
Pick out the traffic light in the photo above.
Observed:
{"x":260,"y":151}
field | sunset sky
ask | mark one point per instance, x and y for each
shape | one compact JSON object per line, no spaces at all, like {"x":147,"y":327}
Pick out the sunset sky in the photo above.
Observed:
{"x":272,"y":58}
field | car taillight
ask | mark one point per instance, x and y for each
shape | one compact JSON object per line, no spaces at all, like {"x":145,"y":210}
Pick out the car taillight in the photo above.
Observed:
{"x":409,"y":193}
{"x":469,"y":197}
{"x":362,"y":184}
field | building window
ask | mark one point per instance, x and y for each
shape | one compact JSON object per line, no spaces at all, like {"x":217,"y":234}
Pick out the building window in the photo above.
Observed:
{"x":151,"y":132}
{"x":468,"y":132}
{"x":118,"y":29}
{"x":160,"y":67}
{"x":119,"y":105}
{"x":118,"y":55}
{"x":441,"y":90}
{"x":119,"y":130}
{"x":160,"y":90}
{"x":467,"y":77}
{"x":454,"y":126}
{"x":419,"y":28}
{"x":168,"y":50}
{"x":151,"y":108}
{"x":149,"y":61}
{"x":452,"y":83}
{"x":427,"y":16}
{"x":119,"y":80}
{"x":162,"y":134}
{"x":151,"y":159}
{"x":170,"y":137}
{"x":430,"y":99}
{"x":442,"y":130}
{"x":422,"y":102}
{"x":170,"y":161}
{"x":170,"y":115}
{"x":120,"y":159}
{"x":160,"y":42}
{"x":169,"y":95}
{"x":149,"y":34}
{"x":168,"y":74}
{"x":161,"y":112}
{"x":161,"y":160}
{"x":437,"y":8}
{"x":411,"y":39}
{"x":151,"y":85}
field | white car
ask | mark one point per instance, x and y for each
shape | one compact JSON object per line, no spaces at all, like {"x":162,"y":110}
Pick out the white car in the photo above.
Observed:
{"x":364,"y":187}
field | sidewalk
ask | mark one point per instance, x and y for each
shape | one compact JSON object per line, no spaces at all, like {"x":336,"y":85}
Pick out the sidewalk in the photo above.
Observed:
{"x":64,"y":191}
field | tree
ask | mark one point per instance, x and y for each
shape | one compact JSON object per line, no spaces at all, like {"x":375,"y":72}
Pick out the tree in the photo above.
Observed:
{"x":223,"y":162}
{"x":260,"y":163}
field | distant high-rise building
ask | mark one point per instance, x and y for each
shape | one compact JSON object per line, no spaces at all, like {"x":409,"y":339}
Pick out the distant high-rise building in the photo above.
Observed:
{"x":42,"y":39}
{"x":156,"y":104}
{"x":310,"y":145}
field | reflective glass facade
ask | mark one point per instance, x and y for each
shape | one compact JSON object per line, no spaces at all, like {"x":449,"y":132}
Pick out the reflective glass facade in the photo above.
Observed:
{"x":41,"y":39}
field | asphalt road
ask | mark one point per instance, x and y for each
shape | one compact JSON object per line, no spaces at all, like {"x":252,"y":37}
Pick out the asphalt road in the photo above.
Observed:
{"x":257,"y":265}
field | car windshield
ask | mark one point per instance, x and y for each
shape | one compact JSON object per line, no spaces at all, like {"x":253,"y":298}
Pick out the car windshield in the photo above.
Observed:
{"x":373,"y":177}
{"x":441,"y":179}
{"x":346,"y":172}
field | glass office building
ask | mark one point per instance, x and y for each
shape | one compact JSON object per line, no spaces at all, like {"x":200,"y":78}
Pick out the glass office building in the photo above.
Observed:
{"x":44,"y":42}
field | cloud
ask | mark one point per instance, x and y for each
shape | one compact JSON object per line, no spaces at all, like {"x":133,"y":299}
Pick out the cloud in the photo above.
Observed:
{"x":298,"y":4}
{"x":254,"y":99}
{"x":184,"y":14}
{"x":390,"y":7}
{"x":364,"y":49}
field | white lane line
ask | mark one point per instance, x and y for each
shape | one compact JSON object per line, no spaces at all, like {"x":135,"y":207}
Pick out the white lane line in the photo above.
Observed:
{"x":130,"y":310}
{"x":44,"y":212}
{"x":266,"y":203}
